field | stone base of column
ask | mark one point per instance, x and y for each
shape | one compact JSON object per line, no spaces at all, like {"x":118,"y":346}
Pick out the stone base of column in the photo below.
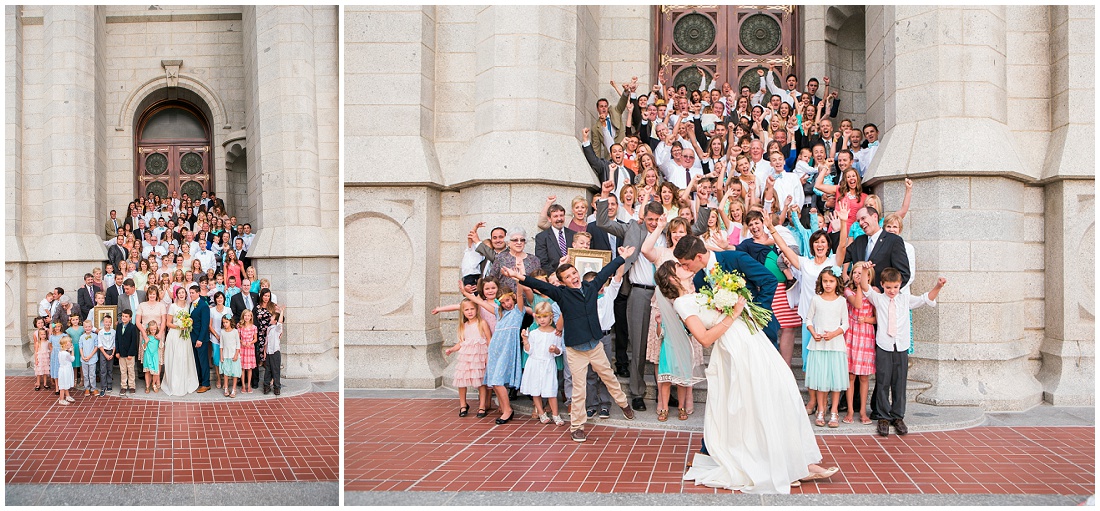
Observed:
{"x":1003,"y":385}
{"x":1068,"y":373}
{"x":394,"y":359}
{"x":309,"y":290}
{"x":18,"y":351}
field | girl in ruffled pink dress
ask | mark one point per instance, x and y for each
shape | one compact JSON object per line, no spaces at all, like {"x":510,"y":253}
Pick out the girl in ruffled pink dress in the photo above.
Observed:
{"x":473,"y":355}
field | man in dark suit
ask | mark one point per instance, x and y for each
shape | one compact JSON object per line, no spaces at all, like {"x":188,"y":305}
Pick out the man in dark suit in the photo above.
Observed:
{"x":117,"y":252}
{"x":200,"y":337}
{"x":882,"y":249}
{"x":85,"y":296}
{"x":241,"y":301}
{"x":113,"y":292}
{"x":553,"y":243}
{"x":612,"y":169}
{"x":693,"y":255}
{"x":242,"y":254}
{"x":127,"y":342}
{"x":578,"y":303}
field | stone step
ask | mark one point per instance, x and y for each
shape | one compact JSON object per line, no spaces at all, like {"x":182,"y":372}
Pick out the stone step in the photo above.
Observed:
{"x":699,"y":392}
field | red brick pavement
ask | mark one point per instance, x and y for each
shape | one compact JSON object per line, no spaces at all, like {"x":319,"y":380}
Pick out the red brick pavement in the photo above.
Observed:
{"x":422,"y":445}
{"x":125,"y":440}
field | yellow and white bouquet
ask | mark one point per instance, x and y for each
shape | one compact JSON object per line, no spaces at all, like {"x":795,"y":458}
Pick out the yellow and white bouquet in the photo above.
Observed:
{"x":184,"y":321}
{"x":723,"y":293}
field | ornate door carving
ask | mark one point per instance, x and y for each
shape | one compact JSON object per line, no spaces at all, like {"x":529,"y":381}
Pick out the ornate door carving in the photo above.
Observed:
{"x":163,"y":169}
{"x":173,"y":151}
{"x":731,"y":40}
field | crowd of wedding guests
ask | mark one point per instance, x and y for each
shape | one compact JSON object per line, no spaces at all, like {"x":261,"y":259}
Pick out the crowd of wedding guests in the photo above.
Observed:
{"x":771,"y":172}
{"x":167,"y":258}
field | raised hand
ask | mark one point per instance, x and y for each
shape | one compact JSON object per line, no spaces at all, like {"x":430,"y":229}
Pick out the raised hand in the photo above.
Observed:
{"x":759,"y":72}
{"x":585,"y":133}
{"x":842,"y":210}
{"x":662,"y":221}
{"x":626,"y":252}
{"x":941,"y":281}
{"x":908,"y":184}
{"x":825,"y":79}
{"x":511,"y":273}
{"x":606,"y":187}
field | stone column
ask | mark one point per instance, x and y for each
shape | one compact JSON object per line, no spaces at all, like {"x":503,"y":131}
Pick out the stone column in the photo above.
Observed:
{"x":1069,"y":344}
{"x":17,"y":350}
{"x":71,"y":167}
{"x":815,"y":55}
{"x":392,"y":188}
{"x":976,"y":216}
{"x":298,"y":253}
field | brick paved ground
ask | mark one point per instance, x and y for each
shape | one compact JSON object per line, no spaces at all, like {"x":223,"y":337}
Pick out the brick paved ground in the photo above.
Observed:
{"x":125,"y":440}
{"x":421,"y":445}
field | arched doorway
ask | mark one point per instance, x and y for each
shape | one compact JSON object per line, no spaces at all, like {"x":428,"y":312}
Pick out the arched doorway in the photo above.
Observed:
{"x":172,"y":150}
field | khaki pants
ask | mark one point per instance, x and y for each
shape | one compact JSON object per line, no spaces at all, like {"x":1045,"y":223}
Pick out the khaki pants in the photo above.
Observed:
{"x":126,"y":367}
{"x":579,"y":361}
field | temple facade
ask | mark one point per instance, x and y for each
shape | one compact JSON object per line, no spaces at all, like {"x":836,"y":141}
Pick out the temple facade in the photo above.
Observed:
{"x":249,"y":96}
{"x":461,"y":114}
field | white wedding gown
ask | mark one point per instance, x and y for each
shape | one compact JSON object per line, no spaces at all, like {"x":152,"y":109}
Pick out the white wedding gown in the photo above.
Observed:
{"x":180,"y":376}
{"x":755,"y":427}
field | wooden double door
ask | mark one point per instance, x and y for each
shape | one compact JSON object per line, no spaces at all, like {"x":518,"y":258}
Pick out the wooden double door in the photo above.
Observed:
{"x":731,"y":40}
{"x":172,"y":151}
{"x":167,"y":168}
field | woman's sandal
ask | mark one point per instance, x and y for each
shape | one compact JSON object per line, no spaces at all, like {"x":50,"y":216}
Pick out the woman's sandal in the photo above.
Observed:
{"x":796,"y":484}
{"x":227,"y":392}
{"x":821,"y":475}
{"x":464,"y":411}
{"x":482,"y":413}
{"x":662,"y":415}
{"x":847,"y":419}
{"x":833,"y":420}
{"x":865,"y":420}
{"x":820,"y":422}
{"x":683,"y":414}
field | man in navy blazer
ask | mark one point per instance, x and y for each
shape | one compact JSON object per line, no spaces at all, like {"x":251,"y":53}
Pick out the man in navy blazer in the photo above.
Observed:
{"x":578,"y":303}
{"x":200,"y":337}
{"x":693,"y":255}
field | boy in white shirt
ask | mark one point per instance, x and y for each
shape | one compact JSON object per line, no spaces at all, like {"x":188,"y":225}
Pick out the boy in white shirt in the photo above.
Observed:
{"x":273,"y":358}
{"x":600,"y":401}
{"x":892,"y":339}
{"x":106,"y":345}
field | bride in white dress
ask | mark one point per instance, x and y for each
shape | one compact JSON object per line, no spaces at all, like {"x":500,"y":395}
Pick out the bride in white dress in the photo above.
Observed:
{"x":180,"y":376}
{"x":755,"y":427}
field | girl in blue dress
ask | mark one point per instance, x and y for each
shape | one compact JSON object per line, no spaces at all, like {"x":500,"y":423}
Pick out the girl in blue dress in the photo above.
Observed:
{"x":503,"y":369}
{"x":55,"y":347}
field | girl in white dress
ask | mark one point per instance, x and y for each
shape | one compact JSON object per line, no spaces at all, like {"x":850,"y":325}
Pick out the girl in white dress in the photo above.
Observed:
{"x":756,"y":433}
{"x":540,"y":375}
{"x":65,"y":380}
{"x":180,"y":376}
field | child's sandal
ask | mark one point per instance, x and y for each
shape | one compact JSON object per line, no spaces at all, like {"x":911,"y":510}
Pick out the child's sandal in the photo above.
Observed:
{"x":820,"y":422}
{"x":464,"y":410}
{"x":834,"y":420}
{"x":544,"y":418}
{"x":558,"y":421}
{"x":662,"y":415}
{"x":683,"y":414}
{"x":481,"y":413}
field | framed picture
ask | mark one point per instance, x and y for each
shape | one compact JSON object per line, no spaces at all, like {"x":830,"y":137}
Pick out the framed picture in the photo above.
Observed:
{"x":102,"y":310}
{"x":589,"y":260}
